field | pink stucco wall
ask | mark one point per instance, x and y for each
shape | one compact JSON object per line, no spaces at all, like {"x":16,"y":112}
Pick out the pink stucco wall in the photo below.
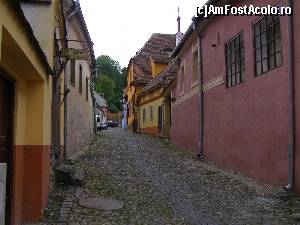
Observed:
{"x":185,"y":116}
{"x":246,"y":126}
{"x":185,"y":124}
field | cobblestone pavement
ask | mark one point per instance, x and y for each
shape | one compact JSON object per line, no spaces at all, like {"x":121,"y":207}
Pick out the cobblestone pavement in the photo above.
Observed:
{"x":160,"y":184}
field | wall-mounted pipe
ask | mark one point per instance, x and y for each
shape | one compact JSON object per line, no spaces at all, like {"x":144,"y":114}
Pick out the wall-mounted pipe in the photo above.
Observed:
{"x":291,"y":102}
{"x":201,"y":97}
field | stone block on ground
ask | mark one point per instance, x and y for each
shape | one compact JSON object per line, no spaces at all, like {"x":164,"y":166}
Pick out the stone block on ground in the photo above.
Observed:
{"x":70,"y":175}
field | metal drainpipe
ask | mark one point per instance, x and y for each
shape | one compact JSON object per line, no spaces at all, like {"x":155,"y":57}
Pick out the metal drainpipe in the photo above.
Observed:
{"x":291,"y":103}
{"x":200,"y":71}
{"x":65,"y":91}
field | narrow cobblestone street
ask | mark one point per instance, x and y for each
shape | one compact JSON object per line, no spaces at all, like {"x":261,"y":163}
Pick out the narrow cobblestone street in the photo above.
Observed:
{"x":159,"y":184}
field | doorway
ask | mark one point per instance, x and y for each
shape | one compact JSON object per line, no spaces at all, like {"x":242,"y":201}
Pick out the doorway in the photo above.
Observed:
{"x":6,"y":118}
{"x":160,"y":120}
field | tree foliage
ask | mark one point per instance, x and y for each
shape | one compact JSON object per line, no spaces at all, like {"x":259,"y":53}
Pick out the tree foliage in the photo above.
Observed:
{"x":111,"y":81}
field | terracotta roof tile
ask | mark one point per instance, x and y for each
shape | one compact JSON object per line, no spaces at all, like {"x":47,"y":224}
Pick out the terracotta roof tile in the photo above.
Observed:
{"x":160,"y":58}
{"x":158,"y":46}
{"x":164,"y":78}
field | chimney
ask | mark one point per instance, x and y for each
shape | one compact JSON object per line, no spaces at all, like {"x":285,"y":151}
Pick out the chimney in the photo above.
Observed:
{"x":178,"y":34}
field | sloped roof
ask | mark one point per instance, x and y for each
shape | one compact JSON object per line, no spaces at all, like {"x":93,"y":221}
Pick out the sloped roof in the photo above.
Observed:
{"x":159,"y":43}
{"x":100,"y":101}
{"x":160,"y":58}
{"x":164,"y":78}
{"x":158,"y":46}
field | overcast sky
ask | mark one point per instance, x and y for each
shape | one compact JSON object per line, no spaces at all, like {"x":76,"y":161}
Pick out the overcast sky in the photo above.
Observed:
{"x":120,"y":28}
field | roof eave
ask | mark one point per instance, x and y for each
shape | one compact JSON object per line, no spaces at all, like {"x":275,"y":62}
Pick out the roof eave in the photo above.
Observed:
{"x":32,"y":37}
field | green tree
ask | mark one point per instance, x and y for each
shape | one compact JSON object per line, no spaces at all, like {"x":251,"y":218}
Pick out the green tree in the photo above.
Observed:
{"x":124,"y":76}
{"x":112,"y":71}
{"x":105,"y":87}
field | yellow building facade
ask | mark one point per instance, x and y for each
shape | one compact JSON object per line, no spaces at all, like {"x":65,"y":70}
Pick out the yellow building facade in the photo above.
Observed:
{"x":26,"y":64}
{"x":144,"y":66}
{"x":155,"y":102}
{"x":149,"y":116}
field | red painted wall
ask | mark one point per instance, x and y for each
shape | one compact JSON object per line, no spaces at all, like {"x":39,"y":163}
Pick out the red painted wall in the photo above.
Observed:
{"x":246,"y":126}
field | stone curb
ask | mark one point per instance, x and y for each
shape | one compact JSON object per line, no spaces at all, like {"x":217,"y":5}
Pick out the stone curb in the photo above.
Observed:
{"x":65,"y":210}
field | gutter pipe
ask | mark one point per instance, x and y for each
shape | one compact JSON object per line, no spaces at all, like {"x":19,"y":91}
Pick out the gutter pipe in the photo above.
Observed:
{"x":291,"y":103}
{"x":201,"y":97}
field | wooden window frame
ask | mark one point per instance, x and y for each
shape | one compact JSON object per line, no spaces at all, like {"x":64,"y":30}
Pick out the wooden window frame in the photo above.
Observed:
{"x":235,"y":60}
{"x":267,"y":44}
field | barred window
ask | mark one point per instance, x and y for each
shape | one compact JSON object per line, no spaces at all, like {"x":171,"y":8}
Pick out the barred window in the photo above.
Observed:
{"x":235,"y":60}
{"x":267,"y":44}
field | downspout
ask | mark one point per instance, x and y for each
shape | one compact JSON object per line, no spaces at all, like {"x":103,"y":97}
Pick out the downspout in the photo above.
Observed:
{"x":291,"y":103}
{"x":65,"y":91}
{"x":200,"y":71}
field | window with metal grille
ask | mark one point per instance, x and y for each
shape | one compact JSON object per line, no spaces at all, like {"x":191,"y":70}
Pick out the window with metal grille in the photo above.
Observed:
{"x":72,"y":76}
{"x":235,"y":60}
{"x":80,"y":79}
{"x":267,"y":44}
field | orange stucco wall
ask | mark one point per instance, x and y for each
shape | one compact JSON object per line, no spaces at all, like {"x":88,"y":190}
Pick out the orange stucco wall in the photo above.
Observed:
{"x":150,"y":130}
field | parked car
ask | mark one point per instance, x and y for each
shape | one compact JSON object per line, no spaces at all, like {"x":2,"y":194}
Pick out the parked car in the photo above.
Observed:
{"x":110,"y":123}
{"x":103,"y":126}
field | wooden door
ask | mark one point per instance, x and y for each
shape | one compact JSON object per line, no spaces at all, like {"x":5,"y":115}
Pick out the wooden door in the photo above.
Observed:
{"x":160,"y":119}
